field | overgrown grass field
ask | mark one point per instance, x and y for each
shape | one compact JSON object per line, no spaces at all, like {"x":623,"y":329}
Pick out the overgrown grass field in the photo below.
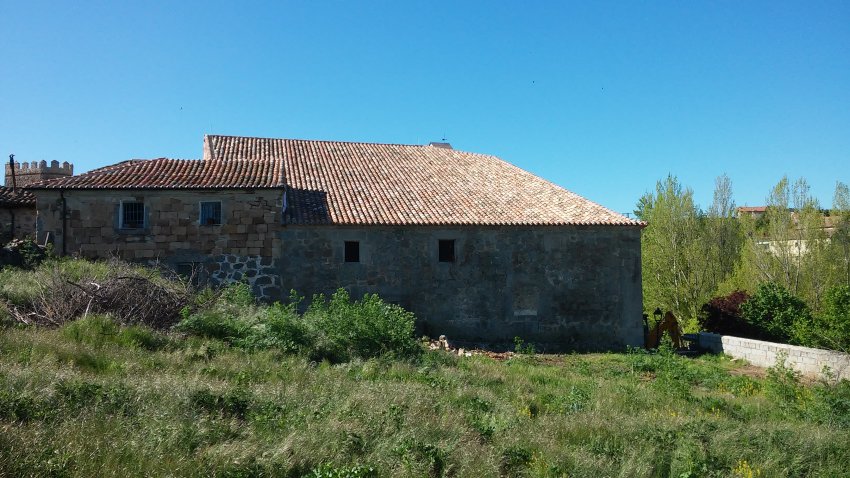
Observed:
{"x":271,"y":392}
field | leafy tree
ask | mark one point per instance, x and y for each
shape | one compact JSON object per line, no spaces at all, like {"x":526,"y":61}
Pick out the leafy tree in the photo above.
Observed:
{"x":840,"y":240}
{"x":788,"y":245}
{"x":683,"y":260}
{"x":831,"y":328}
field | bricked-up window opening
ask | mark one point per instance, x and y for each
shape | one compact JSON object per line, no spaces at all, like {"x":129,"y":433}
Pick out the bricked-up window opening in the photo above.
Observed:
{"x":447,"y":250}
{"x":132,"y":215}
{"x":352,"y":251}
{"x":210,"y":213}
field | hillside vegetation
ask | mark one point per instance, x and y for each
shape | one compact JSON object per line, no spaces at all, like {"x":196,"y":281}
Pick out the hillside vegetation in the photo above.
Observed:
{"x":241,"y":389}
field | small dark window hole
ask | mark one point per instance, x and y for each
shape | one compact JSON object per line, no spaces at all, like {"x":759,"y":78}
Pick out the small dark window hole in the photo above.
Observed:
{"x":447,"y":250}
{"x":352,"y":251}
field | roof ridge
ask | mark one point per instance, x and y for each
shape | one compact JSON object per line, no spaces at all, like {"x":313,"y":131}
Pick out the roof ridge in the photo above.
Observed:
{"x":320,"y":140}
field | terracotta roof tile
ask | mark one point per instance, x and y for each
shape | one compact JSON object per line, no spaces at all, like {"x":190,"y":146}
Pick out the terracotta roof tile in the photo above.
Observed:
{"x":174,"y":174}
{"x":331,"y":182}
{"x":16,"y":197}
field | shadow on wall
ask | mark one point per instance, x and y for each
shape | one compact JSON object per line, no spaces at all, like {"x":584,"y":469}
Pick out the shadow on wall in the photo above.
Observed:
{"x":306,"y":206}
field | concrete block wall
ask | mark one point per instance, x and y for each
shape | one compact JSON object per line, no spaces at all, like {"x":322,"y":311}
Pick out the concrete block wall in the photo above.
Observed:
{"x":808,"y":361}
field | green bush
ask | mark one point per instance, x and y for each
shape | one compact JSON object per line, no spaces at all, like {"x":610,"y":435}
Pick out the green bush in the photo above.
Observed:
{"x":366,"y":328}
{"x":773,"y":311}
{"x":215,"y":324}
{"x":831,"y":328}
{"x":337,"y":330}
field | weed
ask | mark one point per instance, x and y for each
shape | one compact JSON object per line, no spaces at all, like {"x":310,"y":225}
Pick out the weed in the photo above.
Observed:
{"x":330,"y":471}
{"x":514,"y":460}
{"x":523,"y":348}
{"x":233,"y":403}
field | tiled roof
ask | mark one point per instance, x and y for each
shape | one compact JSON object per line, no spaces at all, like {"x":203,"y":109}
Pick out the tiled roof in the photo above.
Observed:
{"x":331,"y":182}
{"x":752,"y":209}
{"x":16,"y":197}
{"x":175,"y":174}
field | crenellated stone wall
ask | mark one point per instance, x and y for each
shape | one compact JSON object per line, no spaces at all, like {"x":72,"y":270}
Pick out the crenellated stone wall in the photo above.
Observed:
{"x":29,"y":173}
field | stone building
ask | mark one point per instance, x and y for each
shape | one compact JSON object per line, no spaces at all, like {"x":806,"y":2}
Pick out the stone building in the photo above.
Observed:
{"x":478,"y":249}
{"x":17,"y":205}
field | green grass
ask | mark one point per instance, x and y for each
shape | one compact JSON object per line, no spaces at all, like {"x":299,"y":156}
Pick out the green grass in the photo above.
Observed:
{"x":94,"y":399}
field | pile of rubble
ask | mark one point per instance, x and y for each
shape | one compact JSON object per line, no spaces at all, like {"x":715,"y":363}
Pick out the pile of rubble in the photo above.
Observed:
{"x":443,"y":344}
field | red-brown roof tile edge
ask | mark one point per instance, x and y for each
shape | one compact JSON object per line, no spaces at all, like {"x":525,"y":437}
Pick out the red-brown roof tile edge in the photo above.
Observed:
{"x":626,"y":221}
{"x":72,"y":182}
{"x":15,"y":198}
{"x":296,"y":222}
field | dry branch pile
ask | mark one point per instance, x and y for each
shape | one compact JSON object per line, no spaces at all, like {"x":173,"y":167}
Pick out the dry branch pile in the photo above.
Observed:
{"x":130,"y":295}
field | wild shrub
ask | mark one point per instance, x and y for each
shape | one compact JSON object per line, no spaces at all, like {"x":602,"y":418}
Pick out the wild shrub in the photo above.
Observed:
{"x":523,"y":348}
{"x":772,"y":311}
{"x":346,"y":329}
{"x":831,"y":328}
{"x":234,"y":318}
{"x":284,"y":329}
{"x":831,"y":404}
{"x":19,"y":405}
{"x":215,"y":323}
{"x":78,"y":394}
{"x":783,"y":384}
{"x":722,"y":315}
{"x":238,"y":294}
{"x":514,"y":460}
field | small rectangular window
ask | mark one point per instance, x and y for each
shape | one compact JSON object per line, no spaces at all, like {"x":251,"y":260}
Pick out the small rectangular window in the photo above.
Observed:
{"x":210,"y":213}
{"x":132,"y":215}
{"x":447,"y":250}
{"x":352,"y":251}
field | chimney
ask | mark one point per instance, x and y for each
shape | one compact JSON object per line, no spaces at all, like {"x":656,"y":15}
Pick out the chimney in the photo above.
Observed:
{"x":441,"y":145}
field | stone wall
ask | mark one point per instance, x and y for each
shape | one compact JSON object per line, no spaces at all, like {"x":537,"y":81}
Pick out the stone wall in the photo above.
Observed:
{"x":29,"y":173}
{"x":24,"y":222}
{"x":808,"y":361}
{"x":562,"y":288}
{"x":559,"y":287}
{"x":245,"y":246}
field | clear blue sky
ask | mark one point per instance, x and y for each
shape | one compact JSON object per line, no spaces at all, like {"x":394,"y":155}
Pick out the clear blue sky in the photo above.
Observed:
{"x":603,"y":98}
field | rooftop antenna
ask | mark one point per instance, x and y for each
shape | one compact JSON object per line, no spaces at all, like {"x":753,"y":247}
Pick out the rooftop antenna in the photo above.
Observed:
{"x":12,"y":167}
